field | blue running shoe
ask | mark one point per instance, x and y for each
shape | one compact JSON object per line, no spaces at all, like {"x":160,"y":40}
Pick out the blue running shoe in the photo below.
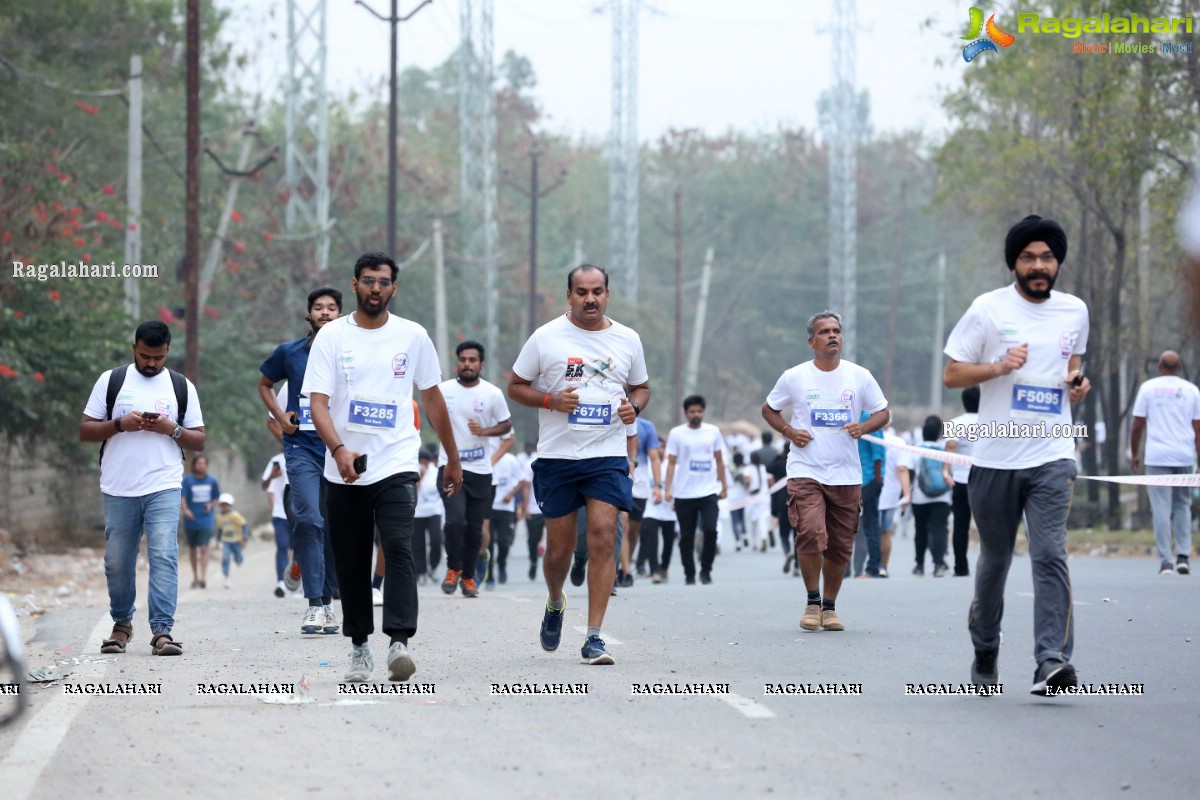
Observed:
{"x":481,"y":568}
{"x":593,"y":652}
{"x":551,"y":633}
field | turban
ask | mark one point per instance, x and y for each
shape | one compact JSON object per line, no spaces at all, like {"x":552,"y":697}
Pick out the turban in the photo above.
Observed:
{"x":1035,"y":229}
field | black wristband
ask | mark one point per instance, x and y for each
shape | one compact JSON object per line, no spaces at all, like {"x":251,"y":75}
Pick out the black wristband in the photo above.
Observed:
{"x":334,"y":450}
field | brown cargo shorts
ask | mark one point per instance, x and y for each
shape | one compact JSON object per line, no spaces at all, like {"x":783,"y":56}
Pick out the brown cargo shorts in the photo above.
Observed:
{"x":825,"y":518}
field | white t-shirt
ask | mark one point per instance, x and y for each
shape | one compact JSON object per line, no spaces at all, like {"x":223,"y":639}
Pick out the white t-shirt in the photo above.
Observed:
{"x":277,"y":485}
{"x":484,"y":403}
{"x":695,"y":451}
{"x":823,"y":403}
{"x":599,"y":365}
{"x":429,"y":501}
{"x":663,"y":512}
{"x":1055,"y":330}
{"x":138,"y":463}
{"x":507,"y":474}
{"x":911,"y":462}
{"x":960,"y":472}
{"x":531,"y":506}
{"x":369,"y":376}
{"x":889,"y":495}
{"x":1169,"y":404}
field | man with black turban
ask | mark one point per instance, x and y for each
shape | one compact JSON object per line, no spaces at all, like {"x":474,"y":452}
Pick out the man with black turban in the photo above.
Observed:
{"x":1023,"y":345}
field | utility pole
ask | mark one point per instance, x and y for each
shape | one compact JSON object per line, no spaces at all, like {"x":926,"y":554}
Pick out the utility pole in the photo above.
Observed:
{"x":1143,"y":272}
{"x":395,"y":19}
{"x":439,"y":292}
{"x":693,"y":366}
{"x":939,"y":335}
{"x":894,"y":305}
{"x":535,"y":193}
{"x":676,"y":383}
{"x":133,"y":189}
{"x":191,"y":254}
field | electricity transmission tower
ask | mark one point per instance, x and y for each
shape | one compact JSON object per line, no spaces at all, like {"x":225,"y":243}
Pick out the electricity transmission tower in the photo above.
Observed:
{"x":307,"y":146}
{"x":623,"y":147}
{"x":842,"y":132}
{"x":477,"y":150}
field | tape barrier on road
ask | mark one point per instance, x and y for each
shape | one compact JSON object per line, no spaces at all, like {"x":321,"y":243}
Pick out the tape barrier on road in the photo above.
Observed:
{"x":1190,"y":480}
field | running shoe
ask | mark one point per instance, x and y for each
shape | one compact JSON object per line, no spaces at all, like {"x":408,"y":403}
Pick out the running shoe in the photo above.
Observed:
{"x":376,"y":597}
{"x":1053,"y":675}
{"x":533,"y":570}
{"x":331,"y":621}
{"x":1181,"y":565}
{"x":705,"y":577}
{"x":450,"y":584}
{"x":551,"y":633}
{"x":279,"y":590}
{"x":291,"y":577}
{"x":578,"y":571}
{"x":314,"y":620}
{"x":502,"y":573}
{"x":983,"y":668}
{"x":594,"y":652}
{"x":362,"y":663}
{"x":482,"y":573}
{"x":400,"y":662}
{"x":470,"y":588}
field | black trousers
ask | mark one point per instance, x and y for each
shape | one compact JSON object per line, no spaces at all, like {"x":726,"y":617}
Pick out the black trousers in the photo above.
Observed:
{"x":355,"y":512}
{"x":690,"y":511}
{"x":961,"y":504}
{"x":649,"y":536}
{"x":930,"y":521}
{"x":427,"y":532}
{"x":535,"y":525}
{"x":502,"y":527}
{"x":465,"y":512}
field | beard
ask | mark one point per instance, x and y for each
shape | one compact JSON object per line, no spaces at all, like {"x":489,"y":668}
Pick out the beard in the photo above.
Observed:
{"x":369,"y":310}
{"x":1037,"y":294}
{"x":148,"y":371}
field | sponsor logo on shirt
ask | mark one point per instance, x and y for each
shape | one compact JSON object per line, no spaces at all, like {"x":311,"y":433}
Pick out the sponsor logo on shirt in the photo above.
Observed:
{"x":1066,"y":342}
{"x":399,"y":364}
{"x":848,"y":396}
{"x":574,"y":369}
{"x":164,"y":407}
{"x":477,"y":406}
{"x":812,"y":395}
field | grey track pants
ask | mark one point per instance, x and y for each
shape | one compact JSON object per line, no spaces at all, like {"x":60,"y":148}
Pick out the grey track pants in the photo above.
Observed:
{"x":999,"y":497}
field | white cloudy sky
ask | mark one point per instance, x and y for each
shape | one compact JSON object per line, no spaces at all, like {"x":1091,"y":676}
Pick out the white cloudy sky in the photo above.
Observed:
{"x":712,"y":64}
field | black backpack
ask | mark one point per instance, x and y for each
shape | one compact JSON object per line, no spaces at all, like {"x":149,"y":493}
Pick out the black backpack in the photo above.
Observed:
{"x":116,"y":379}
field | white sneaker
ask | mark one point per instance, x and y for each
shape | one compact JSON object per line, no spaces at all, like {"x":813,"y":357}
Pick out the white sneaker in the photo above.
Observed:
{"x":314,"y":620}
{"x":400,"y":663}
{"x":361,"y":664}
{"x":331,"y":622}
{"x":227,"y":583}
{"x":376,"y":597}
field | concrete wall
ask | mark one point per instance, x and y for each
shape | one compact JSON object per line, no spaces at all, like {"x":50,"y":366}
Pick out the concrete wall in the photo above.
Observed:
{"x":48,"y":505}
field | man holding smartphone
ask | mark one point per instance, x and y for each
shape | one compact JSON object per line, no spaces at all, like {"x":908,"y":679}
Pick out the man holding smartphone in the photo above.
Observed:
{"x":141,"y":473}
{"x":305,"y":460}
{"x":360,"y":379}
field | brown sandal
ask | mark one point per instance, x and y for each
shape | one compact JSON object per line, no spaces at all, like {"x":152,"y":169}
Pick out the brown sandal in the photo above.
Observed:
{"x":161,"y":644}
{"x":115,"y":645}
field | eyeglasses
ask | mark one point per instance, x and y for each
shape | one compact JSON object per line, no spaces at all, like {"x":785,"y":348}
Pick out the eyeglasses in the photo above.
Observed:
{"x":1030,"y":258}
{"x":384,"y":283}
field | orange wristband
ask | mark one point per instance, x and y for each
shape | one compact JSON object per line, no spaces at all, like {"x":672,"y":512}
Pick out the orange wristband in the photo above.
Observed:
{"x":546,"y":401}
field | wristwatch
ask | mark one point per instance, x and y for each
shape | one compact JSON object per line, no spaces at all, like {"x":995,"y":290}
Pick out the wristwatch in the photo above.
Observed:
{"x":637,"y":410}
{"x":175,"y":434}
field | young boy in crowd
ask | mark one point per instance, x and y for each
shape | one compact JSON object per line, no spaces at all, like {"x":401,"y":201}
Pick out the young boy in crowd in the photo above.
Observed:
{"x":232,"y":532}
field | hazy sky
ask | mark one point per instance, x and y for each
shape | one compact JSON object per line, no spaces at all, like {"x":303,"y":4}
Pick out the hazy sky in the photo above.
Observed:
{"x":712,"y":64}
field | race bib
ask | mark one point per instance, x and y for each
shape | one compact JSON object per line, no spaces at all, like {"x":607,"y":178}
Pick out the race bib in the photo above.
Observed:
{"x":825,"y":420}
{"x":305,"y":415}
{"x":590,"y":415}
{"x":1037,"y":397}
{"x":700,"y":466}
{"x":471,"y":454}
{"x":371,"y":416}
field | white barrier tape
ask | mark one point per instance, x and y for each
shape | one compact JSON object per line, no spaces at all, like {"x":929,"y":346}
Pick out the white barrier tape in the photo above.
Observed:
{"x":925,"y":452}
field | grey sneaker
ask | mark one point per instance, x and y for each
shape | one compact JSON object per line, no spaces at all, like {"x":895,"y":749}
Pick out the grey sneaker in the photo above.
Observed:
{"x":362,"y":663}
{"x":1053,"y":675}
{"x":331,"y":622}
{"x":400,"y":662}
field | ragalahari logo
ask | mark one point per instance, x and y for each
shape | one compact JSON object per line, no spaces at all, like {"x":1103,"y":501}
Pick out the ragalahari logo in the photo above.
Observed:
{"x":994,"y":37}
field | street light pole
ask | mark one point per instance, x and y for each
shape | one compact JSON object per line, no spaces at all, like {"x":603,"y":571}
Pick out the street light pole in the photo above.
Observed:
{"x":394,"y":18}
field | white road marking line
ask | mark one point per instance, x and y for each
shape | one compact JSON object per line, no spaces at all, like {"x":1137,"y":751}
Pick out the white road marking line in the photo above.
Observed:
{"x":747,"y":707}
{"x":39,"y":741}
{"x":607,"y":639}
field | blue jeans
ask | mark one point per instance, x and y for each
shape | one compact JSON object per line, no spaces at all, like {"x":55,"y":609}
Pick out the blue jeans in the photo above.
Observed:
{"x":283,"y":539}
{"x":124,"y":519}
{"x":230,"y":550}
{"x":310,"y":537}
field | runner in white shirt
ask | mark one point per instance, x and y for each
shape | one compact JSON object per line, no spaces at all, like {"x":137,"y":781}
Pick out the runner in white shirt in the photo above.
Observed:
{"x":583,"y":371}
{"x":143,"y":434}
{"x":826,"y":396}
{"x":274,"y":483}
{"x":1167,"y":411}
{"x":695,"y":481}
{"x":427,"y":521}
{"x":502,"y":519}
{"x":659,"y":517}
{"x":961,"y":473}
{"x":479,"y":415}
{"x":1023,"y":346}
{"x":889,"y":498}
{"x":361,"y":374}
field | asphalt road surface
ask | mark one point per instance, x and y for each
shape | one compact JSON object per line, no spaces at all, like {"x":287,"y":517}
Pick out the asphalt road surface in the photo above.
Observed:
{"x":459,"y":738}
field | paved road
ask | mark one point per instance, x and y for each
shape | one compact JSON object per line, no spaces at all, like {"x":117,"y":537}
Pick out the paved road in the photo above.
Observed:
{"x":1133,"y":627}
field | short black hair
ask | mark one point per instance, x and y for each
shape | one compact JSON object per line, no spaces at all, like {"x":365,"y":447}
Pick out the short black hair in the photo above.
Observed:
{"x":931,"y":430}
{"x":694,"y":400}
{"x":325,"y":291}
{"x":373,"y":260}
{"x":970,"y":399}
{"x":469,"y":344}
{"x":767,"y":437}
{"x":152,"y":334}
{"x":581,"y":268}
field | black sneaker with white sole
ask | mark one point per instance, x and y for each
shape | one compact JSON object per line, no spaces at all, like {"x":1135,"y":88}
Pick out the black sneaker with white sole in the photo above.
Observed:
{"x":1181,"y":565}
{"x":983,"y":668}
{"x":1053,"y":675}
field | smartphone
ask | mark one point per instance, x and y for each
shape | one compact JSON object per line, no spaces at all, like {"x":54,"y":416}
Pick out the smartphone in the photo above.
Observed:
{"x":360,"y":464}
{"x":294,"y":418}
{"x":150,"y":415}
{"x":1078,"y":381}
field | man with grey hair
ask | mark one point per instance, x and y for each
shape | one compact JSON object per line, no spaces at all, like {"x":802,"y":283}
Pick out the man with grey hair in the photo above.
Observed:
{"x":827,"y":396}
{"x":1167,"y":411}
